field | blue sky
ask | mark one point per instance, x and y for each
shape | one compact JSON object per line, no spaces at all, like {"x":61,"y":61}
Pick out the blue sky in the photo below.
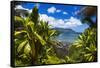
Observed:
{"x":59,"y":16}
{"x":70,"y":9}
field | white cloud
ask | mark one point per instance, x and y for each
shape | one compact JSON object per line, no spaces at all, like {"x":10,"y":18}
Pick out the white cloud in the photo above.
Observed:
{"x":73,"y":22}
{"x":44,"y":17}
{"x":20,"y":7}
{"x":65,"y":13}
{"x":30,"y":10}
{"x":55,"y":10}
{"x":60,"y":23}
{"x":58,"y":11}
{"x":51,"y":9}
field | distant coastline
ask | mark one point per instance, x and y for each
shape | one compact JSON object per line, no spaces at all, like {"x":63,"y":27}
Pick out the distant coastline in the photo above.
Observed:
{"x":65,"y":29}
{"x":66,"y":35}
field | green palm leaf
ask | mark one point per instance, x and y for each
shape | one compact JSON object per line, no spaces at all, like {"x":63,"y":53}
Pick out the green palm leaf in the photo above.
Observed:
{"x":22,"y":46}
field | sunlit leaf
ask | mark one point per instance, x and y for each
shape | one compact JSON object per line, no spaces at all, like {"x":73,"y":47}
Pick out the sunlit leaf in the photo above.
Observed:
{"x":23,"y":44}
{"x":43,"y":42}
{"x":19,"y":32}
{"x":17,"y":18}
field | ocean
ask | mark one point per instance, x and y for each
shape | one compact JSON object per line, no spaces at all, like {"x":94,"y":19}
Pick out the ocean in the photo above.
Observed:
{"x":66,"y":35}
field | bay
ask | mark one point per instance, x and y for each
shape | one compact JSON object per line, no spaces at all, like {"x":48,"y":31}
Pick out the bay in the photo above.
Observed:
{"x":66,"y":35}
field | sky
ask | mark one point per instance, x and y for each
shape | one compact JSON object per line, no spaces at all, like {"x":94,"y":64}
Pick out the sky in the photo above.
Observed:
{"x":58,"y":15}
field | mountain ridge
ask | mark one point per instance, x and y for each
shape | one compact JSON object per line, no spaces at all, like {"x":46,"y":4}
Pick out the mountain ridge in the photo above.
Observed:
{"x":65,"y":30}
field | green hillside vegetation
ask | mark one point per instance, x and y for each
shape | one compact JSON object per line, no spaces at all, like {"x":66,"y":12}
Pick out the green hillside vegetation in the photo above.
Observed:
{"x":33,"y":44}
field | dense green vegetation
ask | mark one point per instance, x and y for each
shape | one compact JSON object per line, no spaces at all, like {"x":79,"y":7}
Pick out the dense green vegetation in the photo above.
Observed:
{"x":32,"y":41}
{"x":34,"y":46}
{"x":84,"y":49}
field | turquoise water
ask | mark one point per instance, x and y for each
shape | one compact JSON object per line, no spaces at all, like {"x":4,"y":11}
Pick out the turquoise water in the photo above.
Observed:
{"x":66,"y":35}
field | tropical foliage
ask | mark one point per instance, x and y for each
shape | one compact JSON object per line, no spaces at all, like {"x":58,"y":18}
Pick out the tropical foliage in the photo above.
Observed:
{"x":34,"y":46}
{"x":85,"y":47}
{"x":32,"y":40}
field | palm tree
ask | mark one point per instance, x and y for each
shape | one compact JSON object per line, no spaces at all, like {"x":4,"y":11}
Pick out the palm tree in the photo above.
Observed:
{"x":33,"y":38}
